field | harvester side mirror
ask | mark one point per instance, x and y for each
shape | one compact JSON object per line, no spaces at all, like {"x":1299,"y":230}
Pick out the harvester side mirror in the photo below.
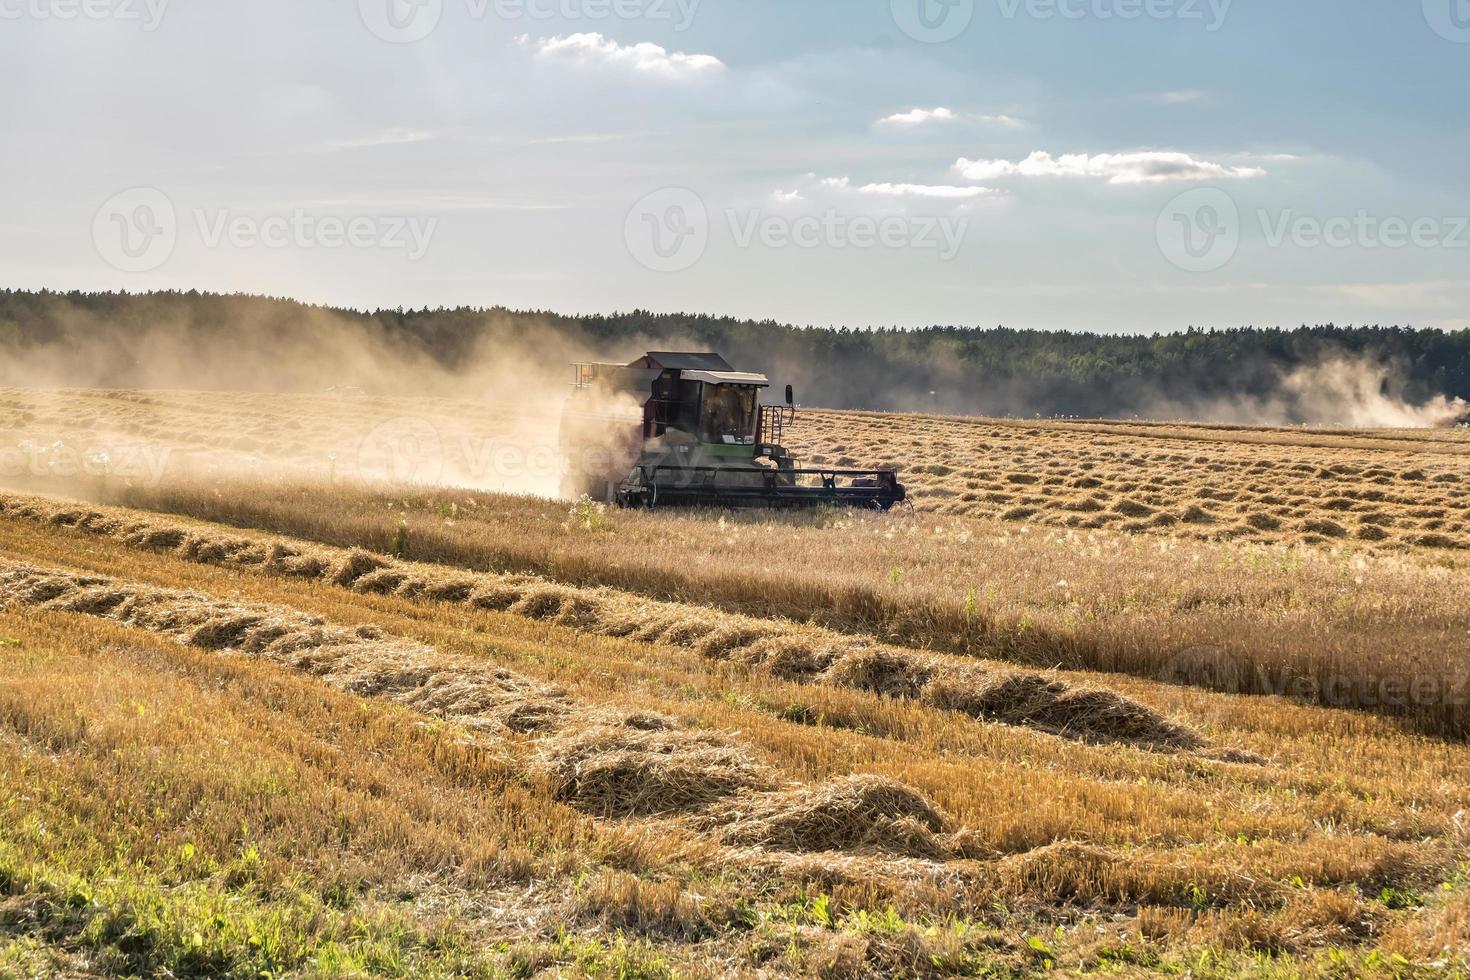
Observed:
{"x":790,"y":397}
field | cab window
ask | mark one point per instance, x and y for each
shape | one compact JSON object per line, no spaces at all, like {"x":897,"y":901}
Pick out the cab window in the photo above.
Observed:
{"x":729,"y":414}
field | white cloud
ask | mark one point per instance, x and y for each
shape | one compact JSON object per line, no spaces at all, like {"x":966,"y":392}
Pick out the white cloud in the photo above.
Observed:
{"x":1148,"y":167}
{"x":944,"y":191}
{"x":386,"y":137}
{"x":939,"y":191}
{"x":788,"y":197}
{"x":644,"y":58}
{"x":939,"y":114}
{"x":1180,"y":96}
{"x":918,"y":117}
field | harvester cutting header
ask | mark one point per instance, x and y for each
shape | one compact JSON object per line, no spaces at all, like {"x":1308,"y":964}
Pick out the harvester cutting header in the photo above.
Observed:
{"x":688,"y":429}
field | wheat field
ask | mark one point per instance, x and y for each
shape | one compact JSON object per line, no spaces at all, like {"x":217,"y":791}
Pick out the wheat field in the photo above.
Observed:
{"x":262,"y":716}
{"x":1390,"y":488}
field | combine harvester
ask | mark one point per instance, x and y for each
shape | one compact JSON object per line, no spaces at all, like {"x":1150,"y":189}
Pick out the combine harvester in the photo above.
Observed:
{"x":679,"y":429}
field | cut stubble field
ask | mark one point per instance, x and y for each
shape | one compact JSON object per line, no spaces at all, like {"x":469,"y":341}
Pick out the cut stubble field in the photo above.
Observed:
{"x":274,"y":723}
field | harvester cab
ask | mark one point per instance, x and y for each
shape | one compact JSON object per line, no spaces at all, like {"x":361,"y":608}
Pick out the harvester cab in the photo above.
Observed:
{"x":687,"y":428}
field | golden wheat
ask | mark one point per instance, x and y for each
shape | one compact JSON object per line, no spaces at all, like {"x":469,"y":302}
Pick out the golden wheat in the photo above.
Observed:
{"x":416,"y":730}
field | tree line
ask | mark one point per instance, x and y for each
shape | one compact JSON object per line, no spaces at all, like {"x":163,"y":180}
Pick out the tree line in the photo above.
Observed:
{"x":998,"y":371}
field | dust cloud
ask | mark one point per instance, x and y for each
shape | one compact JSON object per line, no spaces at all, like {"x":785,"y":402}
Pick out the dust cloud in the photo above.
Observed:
{"x":109,"y":391}
{"x":1339,"y":392}
{"x":312,"y":396}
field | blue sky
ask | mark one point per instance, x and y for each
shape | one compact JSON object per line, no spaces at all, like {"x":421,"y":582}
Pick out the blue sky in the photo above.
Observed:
{"x":1112,"y":165}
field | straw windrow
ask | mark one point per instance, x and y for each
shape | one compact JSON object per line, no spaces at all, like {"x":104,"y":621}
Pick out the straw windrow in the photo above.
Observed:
{"x":803,"y":654}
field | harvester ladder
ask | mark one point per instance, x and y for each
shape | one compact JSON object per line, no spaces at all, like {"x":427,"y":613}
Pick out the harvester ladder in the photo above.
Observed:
{"x":773,"y":423}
